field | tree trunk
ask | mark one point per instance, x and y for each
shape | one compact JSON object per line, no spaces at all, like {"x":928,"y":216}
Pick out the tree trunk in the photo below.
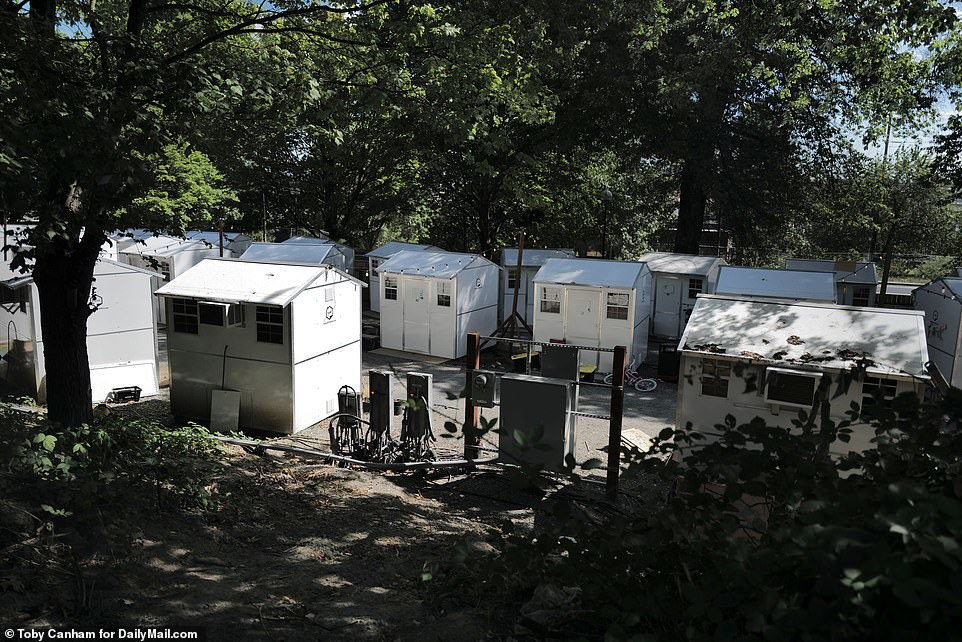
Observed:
{"x":63,"y":274}
{"x":886,"y":266}
{"x":691,"y":207}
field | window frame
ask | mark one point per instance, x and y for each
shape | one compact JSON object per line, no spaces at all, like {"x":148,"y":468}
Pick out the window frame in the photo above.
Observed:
{"x":512,"y":278}
{"x":269,"y":328}
{"x":551,"y":303}
{"x":815,"y":377}
{"x":443,"y":290}
{"x":609,"y":306}
{"x":185,"y":320}
{"x":692,"y":292}
{"x":889,"y":388}
{"x":863,"y":289}
{"x":391,"y":286}
{"x":716,"y":375}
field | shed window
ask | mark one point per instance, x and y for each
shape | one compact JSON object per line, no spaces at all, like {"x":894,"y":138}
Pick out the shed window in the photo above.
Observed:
{"x":877,"y":394}
{"x":512,"y":279}
{"x":164,"y":268}
{"x":375,"y":263}
{"x":211,"y":313}
{"x":185,"y":316}
{"x":695,"y":287}
{"x":860,"y":295}
{"x":791,"y":388}
{"x":270,"y":324}
{"x":617,"y":306}
{"x":444,"y":294}
{"x":390,"y":288}
{"x":329,"y":294}
{"x":551,"y":300}
{"x":714,"y":378}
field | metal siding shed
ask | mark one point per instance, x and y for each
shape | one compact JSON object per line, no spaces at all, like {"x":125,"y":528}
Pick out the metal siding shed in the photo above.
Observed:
{"x":316,"y":253}
{"x":391,"y":248}
{"x":244,"y":281}
{"x":826,"y":335}
{"x":590,"y":272}
{"x":533,"y":257}
{"x":670,"y":262}
{"x":780,"y":284}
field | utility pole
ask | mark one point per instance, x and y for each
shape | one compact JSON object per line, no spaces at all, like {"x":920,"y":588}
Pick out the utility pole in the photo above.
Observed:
{"x":605,"y":199}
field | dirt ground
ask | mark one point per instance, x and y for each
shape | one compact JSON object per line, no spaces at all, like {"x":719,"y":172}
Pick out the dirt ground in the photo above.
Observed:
{"x":296,"y":551}
{"x":300,"y":550}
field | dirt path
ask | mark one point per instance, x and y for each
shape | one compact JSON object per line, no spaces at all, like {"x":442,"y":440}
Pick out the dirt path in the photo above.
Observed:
{"x":298,"y":551}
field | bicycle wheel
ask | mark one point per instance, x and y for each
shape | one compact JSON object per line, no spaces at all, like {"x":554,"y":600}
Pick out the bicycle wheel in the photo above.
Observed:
{"x":645,"y":385}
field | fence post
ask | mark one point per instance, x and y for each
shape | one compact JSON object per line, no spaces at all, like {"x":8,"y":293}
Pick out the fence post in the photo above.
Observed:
{"x":614,"y":428}
{"x":472,"y":362}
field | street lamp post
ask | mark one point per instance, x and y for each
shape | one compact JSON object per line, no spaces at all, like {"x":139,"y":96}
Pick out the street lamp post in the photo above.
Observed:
{"x":605,"y":199}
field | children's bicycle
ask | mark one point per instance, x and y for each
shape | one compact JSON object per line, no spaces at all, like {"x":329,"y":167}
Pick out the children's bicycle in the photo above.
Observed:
{"x":632,"y":378}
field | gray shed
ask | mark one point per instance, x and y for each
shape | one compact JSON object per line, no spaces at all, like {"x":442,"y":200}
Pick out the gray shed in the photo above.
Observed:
{"x":379,"y":255}
{"x":678,"y":280}
{"x":855,"y":283}
{"x":791,"y":285}
{"x":532,"y":260}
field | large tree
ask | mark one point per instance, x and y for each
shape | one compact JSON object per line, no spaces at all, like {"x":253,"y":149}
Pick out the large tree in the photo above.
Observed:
{"x":87,"y":88}
{"x":737,"y":94}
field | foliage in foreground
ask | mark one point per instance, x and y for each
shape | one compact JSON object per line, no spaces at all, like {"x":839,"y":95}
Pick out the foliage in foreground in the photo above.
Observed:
{"x":87,"y":480}
{"x":764,"y":538}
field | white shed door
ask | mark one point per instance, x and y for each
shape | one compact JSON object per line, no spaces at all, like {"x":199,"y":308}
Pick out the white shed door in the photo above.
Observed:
{"x":668,"y":306}
{"x":417,"y":315}
{"x":583,"y":317}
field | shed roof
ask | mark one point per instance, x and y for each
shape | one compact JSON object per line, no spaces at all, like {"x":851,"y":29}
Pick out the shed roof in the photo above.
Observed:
{"x":781,"y":284}
{"x":590,"y":272}
{"x":803,"y":333}
{"x":845,"y":272}
{"x":214,"y":237}
{"x":290,"y":252}
{"x":533,"y":257}
{"x":898,"y":289}
{"x":391,"y":248}
{"x":444,"y":265}
{"x":671,"y":263}
{"x":102,"y":267}
{"x":162,"y":246}
{"x":951,"y":286}
{"x":242,"y":281}
{"x":307,"y":240}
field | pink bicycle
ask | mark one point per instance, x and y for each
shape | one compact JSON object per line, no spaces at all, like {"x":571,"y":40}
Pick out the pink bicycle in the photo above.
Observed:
{"x":632,"y":378}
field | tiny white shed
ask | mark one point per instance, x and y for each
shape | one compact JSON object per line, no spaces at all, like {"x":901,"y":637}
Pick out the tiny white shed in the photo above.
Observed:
{"x":379,"y":255}
{"x":749,"y":357}
{"x":531,"y":261}
{"x":678,"y":280}
{"x":793,"y":285}
{"x":347,"y":251}
{"x":166,"y":255}
{"x":941,"y":301}
{"x":315,"y":253}
{"x":593,"y":302}
{"x":431,"y":300}
{"x":235,"y":243}
{"x":270,"y":344}
{"x":855,"y":283}
{"x":121,"y":332}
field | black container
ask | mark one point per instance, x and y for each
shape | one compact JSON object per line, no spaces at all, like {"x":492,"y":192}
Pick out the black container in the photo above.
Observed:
{"x":668,"y":359}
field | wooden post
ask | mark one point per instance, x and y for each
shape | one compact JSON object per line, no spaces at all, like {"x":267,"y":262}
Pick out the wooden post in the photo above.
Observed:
{"x":517,"y":283}
{"x":614,"y":429}
{"x":220,"y":231}
{"x":471,"y":363}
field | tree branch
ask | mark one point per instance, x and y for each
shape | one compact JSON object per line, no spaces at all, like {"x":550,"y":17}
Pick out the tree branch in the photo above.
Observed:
{"x":242,"y":26}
